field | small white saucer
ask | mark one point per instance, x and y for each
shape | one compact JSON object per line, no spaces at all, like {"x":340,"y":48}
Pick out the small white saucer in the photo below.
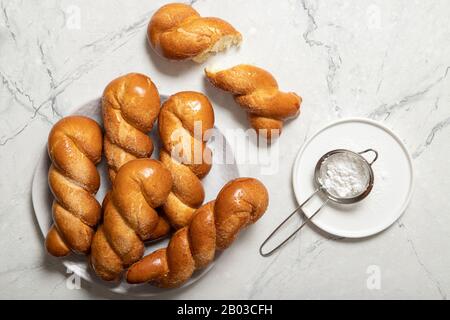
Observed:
{"x":393,"y":184}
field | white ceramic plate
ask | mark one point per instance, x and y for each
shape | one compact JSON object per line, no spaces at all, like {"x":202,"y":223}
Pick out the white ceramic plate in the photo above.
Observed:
{"x":42,"y":198}
{"x":393,"y":173}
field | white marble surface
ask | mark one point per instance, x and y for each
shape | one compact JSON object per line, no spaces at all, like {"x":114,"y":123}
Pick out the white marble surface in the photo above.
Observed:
{"x":387,"y":60}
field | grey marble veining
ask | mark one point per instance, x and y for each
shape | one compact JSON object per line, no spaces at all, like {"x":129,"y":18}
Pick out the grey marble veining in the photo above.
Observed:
{"x":385,"y":60}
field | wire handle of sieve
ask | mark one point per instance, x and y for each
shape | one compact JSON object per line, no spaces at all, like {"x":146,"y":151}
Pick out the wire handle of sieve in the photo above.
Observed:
{"x":306,"y":220}
{"x":370,"y":150}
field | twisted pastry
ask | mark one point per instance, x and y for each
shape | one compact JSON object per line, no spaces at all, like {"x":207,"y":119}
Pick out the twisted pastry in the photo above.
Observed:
{"x":74,"y":147}
{"x":130,"y":106}
{"x":129,"y":217}
{"x":177,"y":32}
{"x":256,"y":90}
{"x":183,"y":123}
{"x":215,"y":226}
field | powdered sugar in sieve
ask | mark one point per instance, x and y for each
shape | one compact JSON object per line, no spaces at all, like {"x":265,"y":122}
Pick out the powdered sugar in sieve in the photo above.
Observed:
{"x":344,"y":175}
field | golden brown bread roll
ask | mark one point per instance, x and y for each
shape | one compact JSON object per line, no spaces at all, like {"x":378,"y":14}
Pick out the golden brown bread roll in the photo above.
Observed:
{"x":185,"y":155}
{"x":256,"y":90}
{"x":74,"y":147}
{"x":214,"y":226}
{"x":130,"y":106}
{"x":129,"y":216}
{"x":177,"y":32}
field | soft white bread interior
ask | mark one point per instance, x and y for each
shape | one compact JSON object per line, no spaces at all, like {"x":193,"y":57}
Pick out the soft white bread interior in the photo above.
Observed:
{"x":224,"y":43}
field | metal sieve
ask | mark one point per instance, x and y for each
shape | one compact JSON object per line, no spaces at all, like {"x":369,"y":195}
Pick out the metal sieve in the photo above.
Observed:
{"x":321,"y":189}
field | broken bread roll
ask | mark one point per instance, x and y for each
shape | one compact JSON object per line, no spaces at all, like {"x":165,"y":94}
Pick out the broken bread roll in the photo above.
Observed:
{"x":256,"y":90}
{"x":178,"y":32}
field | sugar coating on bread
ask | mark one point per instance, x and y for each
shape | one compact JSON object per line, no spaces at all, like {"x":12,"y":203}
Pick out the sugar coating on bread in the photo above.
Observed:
{"x":74,"y":147}
{"x":130,"y":106}
{"x":215,"y":226}
{"x":130,"y":217}
{"x":184,"y":152}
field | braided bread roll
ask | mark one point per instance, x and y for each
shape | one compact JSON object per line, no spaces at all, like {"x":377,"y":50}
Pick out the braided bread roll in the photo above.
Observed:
{"x":256,"y":90}
{"x":177,"y":32}
{"x":130,"y":107}
{"x":74,"y":147}
{"x":215,"y":226}
{"x":129,"y":216}
{"x":184,"y":152}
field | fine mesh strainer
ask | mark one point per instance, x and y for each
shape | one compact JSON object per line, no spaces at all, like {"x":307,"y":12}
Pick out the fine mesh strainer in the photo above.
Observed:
{"x":320,"y":182}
